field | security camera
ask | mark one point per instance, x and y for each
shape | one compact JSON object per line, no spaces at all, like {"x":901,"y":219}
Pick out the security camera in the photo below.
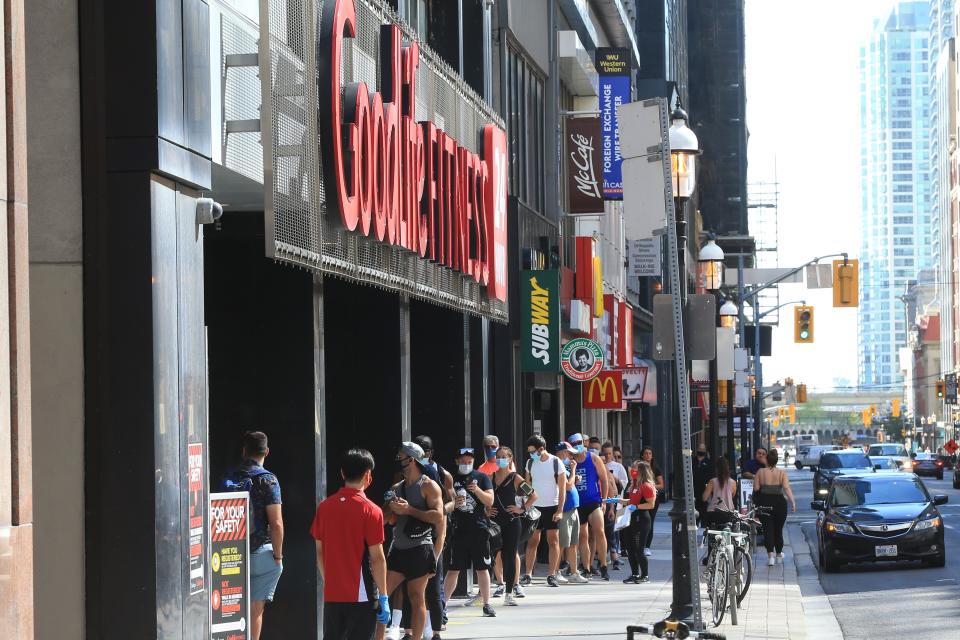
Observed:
{"x":208,"y":210}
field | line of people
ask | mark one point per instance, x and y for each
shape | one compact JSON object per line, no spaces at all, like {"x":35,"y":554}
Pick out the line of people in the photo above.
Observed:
{"x":577,"y":494}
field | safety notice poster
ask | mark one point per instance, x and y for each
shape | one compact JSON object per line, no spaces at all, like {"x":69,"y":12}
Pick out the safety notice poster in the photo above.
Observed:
{"x":196,"y":482}
{"x":229,"y":566}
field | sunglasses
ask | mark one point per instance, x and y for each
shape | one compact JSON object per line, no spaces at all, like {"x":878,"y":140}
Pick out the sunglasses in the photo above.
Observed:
{"x":466,"y":450}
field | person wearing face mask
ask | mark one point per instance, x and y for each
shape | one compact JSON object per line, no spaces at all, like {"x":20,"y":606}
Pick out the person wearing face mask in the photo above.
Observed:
{"x":570,"y":522}
{"x":490,"y":445}
{"x":509,"y":504}
{"x":471,"y":543}
{"x":545,"y":472}
{"x":647,"y":456}
{"x":415,"y":507}
{"x":348,"y":529}
{"x":703,"y":471}
{"x":592,"y":479}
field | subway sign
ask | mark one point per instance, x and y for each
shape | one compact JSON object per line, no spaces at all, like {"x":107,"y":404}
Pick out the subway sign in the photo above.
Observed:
{"x":404,"y":182}
{"x":540,"y":320}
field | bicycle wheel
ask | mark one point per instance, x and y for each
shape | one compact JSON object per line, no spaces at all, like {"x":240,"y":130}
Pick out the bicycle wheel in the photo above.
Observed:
{"x":718,"y":595}
{"x":743,"y":566}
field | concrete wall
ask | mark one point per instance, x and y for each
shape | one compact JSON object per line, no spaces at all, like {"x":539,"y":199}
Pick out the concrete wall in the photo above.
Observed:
{"x":56,"y":305}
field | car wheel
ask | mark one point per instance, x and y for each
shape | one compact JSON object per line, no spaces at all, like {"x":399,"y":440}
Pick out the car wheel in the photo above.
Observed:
{"x":937,"y":562}
{"x":799,"y":465}
{"x":829,"y":565}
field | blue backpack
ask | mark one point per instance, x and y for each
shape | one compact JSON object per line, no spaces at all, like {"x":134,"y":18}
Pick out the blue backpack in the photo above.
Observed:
{"x":236,"y":480}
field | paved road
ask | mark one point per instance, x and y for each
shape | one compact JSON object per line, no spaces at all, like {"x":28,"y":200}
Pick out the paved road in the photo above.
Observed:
{"x":892,"y":600}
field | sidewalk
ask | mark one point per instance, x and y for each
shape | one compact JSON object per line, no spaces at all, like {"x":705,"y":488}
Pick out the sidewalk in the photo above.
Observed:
{"x":775,"y":607}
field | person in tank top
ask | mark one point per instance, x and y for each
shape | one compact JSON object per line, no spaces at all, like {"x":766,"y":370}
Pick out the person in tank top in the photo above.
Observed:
{"x":592,"y":479}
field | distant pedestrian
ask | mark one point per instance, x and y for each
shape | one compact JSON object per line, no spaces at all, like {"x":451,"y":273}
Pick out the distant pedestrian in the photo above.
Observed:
{"x":771,"y":488}
{"x":702,"y":472}
{"x":266,"y":538}
{"x":759,"y":461}
{"x":491,"y":444}
{"x":348,"y":529}
{"x":647,"y":456}
{"x":545,"y":473}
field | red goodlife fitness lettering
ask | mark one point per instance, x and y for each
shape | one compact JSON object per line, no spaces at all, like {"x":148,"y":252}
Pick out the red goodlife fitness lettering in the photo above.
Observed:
{"x":405,"y":182}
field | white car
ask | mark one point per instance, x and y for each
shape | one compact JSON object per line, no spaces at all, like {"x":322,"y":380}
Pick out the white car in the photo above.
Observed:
{"x":810,"y":456}
{"x":893,"y":450}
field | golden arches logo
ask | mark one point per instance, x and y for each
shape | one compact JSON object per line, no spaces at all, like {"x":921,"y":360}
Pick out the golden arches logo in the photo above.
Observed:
{"x":601,"y":383}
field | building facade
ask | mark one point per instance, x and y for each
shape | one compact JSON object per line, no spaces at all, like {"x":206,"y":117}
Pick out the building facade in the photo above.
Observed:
{"x":895,"y":182}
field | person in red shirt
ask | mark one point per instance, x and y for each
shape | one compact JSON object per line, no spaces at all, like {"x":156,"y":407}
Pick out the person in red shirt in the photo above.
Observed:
{"x":491,"y":444}
{"x":348,"y":529}
{"x":640,"y":499}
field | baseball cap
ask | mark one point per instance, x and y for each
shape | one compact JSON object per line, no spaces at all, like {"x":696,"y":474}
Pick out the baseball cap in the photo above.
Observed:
{"x":412,"y":449}
{"x":576,"y":438}
{"x":563,"y":446}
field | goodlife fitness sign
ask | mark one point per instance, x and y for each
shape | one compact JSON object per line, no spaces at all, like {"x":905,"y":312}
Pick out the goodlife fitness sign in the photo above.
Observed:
{"x":404,"y":182}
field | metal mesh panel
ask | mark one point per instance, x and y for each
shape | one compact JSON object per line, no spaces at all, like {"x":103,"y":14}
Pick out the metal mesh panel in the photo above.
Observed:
{"x":302,"y":230}
{"x":241,"y":100}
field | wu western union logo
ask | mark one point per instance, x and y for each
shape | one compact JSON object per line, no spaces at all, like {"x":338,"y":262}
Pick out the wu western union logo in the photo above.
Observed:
{"x":604,"y":384}
{"x":539,"y":322}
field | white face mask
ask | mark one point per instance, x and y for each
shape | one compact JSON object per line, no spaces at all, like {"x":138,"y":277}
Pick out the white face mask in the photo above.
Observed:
{"x":465,"y":469}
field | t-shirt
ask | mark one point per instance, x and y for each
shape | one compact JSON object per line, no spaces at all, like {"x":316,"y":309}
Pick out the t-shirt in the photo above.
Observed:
{"x":619,"y":472}
{"x":752,"y":466}
{"x":543,"y":475}
{"x":472,"y":513}
{"x":572,"y":501}
{"x":489,"y":467}
{"x":347,"y":523}
{"x":644,"y":492}
{"x":264,"y":491}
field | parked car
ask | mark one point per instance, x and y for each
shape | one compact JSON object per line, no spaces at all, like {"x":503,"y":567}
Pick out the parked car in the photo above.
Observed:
{"x":879,"y":517}
{"x":884,"y":463}
{"x":838,"y":463}
{"x":928,"y":464}
{"x":894,"y":450}
{"x":810,"y":456}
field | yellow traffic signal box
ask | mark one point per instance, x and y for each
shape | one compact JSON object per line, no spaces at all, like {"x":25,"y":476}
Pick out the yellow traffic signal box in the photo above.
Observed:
{"x":895,"y":408}
{"x":846,"y":281}
{"x":941,"y":388}
{"x":793,"y":414}
{"x":803,"y":324}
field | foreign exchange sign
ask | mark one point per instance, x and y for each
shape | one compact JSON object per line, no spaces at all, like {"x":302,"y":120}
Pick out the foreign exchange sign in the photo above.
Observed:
{"x":540,"y":320}
{"x":581,"y":359}
{"x":584,"y":168}
{"x":613,"y":67}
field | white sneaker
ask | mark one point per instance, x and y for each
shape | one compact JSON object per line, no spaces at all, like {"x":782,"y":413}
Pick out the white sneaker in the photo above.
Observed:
{"x":509,"y":600}
{"x":518,"y":591}
{"x":780,"y":558}
{"x":393,"y":633}
{"x":647,"y":552}
{"x":560,"y":578}
{"x":576,"y":578}
{"x":771,"y":560}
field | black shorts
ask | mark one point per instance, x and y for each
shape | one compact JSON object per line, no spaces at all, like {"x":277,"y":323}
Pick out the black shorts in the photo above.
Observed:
{"x":585,"y":510}
{"x":546,"y":523}
{"x":471,"y":550}
{"x":413,"y":563}
{"x":349,"y":620}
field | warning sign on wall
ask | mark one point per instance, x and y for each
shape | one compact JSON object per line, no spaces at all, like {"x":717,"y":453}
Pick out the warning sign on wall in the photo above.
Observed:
{"x":196,"y":483}
{"x":229,"y":565}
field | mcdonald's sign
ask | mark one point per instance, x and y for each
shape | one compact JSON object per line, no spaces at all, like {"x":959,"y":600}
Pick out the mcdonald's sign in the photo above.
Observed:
{"x":604,"y":391}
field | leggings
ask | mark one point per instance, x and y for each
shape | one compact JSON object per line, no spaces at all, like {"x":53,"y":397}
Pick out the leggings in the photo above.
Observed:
{"x":773,"y":522}
{"x":510,"y":530}
{"x":653,"y":519}
{"x":633,"y":538}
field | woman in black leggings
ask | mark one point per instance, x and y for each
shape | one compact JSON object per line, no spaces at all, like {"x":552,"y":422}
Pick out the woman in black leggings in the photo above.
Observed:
{"x":641,"y":498}
{"x":772,"y":489}
{"x":506,"y":513}
{"x":647,"y":456}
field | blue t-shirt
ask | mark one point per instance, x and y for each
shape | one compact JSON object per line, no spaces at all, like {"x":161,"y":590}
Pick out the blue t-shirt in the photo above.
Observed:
{"x":572,"y":500}
{"x":265,"y":490}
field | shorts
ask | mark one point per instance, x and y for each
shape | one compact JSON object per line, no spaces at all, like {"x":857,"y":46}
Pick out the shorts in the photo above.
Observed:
{"x":585,"y":510}
{"x":569,"y":529}
{"x":471,"y":550}
{"x":413,"y":563}
{"x":546,"y":523}
{"x":264,"y":574}
{"x":349,"y":620}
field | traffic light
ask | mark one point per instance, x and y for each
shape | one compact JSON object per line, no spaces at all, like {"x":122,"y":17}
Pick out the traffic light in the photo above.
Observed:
{"x":803,"y":324}
{"x":793,"y":414}
{"x":845,"y":282}
{"x":941,"y":388}
{"x":801,"y":393}
{"x":895,"y":408}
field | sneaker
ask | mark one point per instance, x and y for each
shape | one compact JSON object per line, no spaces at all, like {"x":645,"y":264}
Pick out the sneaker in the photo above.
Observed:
{"x":526,"y":581}
{"x":560,"y":578}
{"x":604,"y":575}
{"x":617,"y":564}
{"x":393,"y":633}
{"x":577,"y":578}
{"x":552,"y":581}
{"x":647,"y":552}
{"x":594,"y":572}
{"x":469,"y":602}
{"x":510,"y":601}
{"x":631,"y":580}
{"x":488,"y":611}
{"x":498,"y":591}
{"x":564,"y":566}
{"x":643,"y":579}
{"x":771,"y":561}
{"x":407,"y":636}
{"x":436,"y":636}
{"x":518,"y":592}
{"x":780,"y":558}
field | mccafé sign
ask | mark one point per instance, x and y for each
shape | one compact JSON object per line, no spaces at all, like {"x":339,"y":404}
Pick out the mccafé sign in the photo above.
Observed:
{"x":404,"y":182}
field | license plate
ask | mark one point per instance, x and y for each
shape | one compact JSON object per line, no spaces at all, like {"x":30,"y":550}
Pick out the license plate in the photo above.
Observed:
{"x":886,"y":550}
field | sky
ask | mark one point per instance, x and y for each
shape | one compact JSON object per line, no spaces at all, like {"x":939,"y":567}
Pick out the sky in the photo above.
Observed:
{"x":802,"y":112}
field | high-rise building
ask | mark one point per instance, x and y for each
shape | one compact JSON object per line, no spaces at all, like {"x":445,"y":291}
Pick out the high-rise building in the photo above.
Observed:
{"x":896,"y":229}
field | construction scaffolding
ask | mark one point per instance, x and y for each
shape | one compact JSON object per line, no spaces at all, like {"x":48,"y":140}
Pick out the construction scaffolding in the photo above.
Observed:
{"x":762,"y":204}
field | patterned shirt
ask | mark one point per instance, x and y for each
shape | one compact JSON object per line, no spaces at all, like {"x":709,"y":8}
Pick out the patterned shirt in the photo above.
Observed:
{"x":265,"y":491}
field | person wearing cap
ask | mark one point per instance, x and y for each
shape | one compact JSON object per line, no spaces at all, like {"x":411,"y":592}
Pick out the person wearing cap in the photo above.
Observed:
{"x":592,"y":488}
{"x":491,"y":444}
{"x":471,"y":542}
{"x":570,"y":520}
{"x":415,"y":507}
{"x":545,"y":473}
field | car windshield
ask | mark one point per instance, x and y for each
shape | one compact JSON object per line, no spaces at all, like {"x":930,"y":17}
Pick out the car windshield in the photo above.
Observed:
{"x":883,"y":463}
{"x":848,"y":493}
{"x":850,"y":460}
{"x":887,"y":450}
{"x":924,"y":456}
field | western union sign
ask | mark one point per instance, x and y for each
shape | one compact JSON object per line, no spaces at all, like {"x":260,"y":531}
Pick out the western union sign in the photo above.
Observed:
{"x":540,"y":320}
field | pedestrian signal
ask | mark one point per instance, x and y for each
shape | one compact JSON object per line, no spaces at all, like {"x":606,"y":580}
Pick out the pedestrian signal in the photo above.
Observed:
{"x":803,"y":324}
{"x":845,"y":283}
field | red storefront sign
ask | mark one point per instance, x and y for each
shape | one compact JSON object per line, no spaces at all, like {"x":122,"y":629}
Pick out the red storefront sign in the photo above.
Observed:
{"x":604,"y":392}
{"x":405,"y":182}
{"x":625,"y":346}
{"x":612,"y":307}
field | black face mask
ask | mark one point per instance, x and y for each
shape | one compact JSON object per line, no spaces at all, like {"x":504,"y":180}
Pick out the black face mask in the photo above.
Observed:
{"x":403,"y":464}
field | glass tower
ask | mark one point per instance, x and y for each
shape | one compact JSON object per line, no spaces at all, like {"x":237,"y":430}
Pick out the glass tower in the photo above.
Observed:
{"x":896,"y":228}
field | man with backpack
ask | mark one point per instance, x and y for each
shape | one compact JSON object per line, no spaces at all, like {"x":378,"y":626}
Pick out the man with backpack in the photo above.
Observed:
{"x":545,"y":473}
{"x":266,"y":536}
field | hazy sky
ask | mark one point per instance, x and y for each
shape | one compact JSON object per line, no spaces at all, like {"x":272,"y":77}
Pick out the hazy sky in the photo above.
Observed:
{"x":802,"y":112}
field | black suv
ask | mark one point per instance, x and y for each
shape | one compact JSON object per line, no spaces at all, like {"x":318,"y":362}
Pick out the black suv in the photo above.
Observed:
{"x":838,"y":463}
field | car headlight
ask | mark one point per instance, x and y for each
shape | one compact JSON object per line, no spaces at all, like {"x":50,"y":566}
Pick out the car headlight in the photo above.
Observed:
{"x":839,"y":527}
{"x":907,"y":465}
{"x":929,"y":523}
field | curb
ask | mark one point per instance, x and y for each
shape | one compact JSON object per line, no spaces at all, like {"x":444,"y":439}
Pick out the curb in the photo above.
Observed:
{"x":820,"y":619}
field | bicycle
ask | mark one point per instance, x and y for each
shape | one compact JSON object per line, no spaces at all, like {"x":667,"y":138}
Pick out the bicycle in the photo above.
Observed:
{"x":672,"y":630}
{"x":725,"y":572}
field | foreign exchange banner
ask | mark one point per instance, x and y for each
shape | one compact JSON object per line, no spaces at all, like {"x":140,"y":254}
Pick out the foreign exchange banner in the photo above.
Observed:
{"x":540,"y":320}
{"x":230,"y":566}
{"x":613,"y":67}
{"x":584,"y":167}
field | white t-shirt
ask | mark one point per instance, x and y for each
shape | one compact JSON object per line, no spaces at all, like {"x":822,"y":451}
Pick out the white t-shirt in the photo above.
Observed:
{"x":543,"y":476}
{"x":619,"y":472}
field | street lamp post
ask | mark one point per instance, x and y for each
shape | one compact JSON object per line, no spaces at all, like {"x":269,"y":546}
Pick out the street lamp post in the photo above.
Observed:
{"x":710,"y":272}
{"x":684,"y":148}
{"x":729,"y":315}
